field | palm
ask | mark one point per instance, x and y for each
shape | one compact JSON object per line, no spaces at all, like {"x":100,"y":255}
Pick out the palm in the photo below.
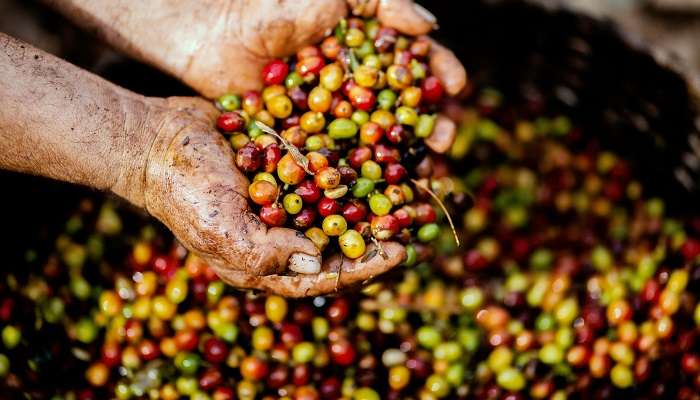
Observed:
{"x":194,"y":188}
{"x":245,"y":35}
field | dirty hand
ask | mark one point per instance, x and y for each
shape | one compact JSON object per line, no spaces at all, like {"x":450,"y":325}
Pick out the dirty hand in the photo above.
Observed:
{"x":192,"y":185}
{"x":160,"y":154}
{"x":220,"y":46}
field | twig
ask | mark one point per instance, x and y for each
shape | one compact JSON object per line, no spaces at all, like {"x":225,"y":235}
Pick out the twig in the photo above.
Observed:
{"x":380,"y":248}
{"x":442,"y":206}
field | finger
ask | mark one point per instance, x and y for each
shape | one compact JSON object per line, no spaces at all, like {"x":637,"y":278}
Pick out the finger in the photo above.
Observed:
{"x":363,"y":8}
{"x":447,"y":67}
{"x":406,"y":16}
{"x":337,"y":273}
{"x":260,"y":250}
{"x":443,"y":135}
{"x":292,"y":249}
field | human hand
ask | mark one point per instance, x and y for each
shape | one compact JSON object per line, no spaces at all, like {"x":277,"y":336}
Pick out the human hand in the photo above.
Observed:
{"x":193,"y":187}
{"x":220,"y":46}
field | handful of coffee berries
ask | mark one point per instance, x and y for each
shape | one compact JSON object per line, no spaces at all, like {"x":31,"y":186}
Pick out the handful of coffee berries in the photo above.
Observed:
{"x":329,"y":142}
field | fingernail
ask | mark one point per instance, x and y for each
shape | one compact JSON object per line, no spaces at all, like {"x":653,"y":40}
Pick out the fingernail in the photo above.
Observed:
{"x":427,"y":15}
{"x":304,"y":264}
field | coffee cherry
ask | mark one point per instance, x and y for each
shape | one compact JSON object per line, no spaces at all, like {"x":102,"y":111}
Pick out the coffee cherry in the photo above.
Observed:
{"x":327,"y":178}
{"x":289,"y":171}
{"x":271,"y":156}
{"x":310,"y":66}
{"x":327,"y":207}
{"x":249,"y":158}
{"x":230,"y":122}
{"x":358,"y":156}
{"x":384,"y":227}
{"x":273,"y":215}
{"x":384,"y":154}
{"x":334,"y":225}
{"x":308,"y":191}
{"x":312,"y":121}
{"x":432,"y":90}
{"x":280,"y":106}
{"x":354,"y":211}
{"x":331,"y":77}
{"x":253,"y":368}
{"x":252,"y":102}
{"x":215,"y":350}
{"x":304,"y":219}
{"x":318,"y":237}
{"x":370,"y":133}
{"x":262,"y":192}
{"x":379,"y":204}
{"x":229,"y":102}
{"x":396,"y":134}
{"x":399,"y":77}
{"x":395,"y":173}
{"x":274,"y":72}
{"x":292,"y":203}
{"x":319,"y":99}
{"x":330,"y":47}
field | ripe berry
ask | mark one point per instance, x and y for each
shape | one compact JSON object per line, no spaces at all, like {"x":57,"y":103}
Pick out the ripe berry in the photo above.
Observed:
{"x":230,"y":122}
{"x":355,"y":211}
{"x":273,"y":215}
{"x":262,"y":192}
{"x":215,"y":350}
{"x":289,"y":171}
{"x":249,"y":158}
{"x":327,"y":207}
{"x":275,"y":72}
{"x":272,"y":155}
{"x":304,"y":219}
{"x":327,"y":178}
{"x":384,"y":227}
{"x":308,"y":191}
{"x":394,"y":173}
{"x":432,"y":90}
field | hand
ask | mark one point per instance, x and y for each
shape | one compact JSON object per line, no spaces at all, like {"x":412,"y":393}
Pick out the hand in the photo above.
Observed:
{"x":192,"y":186}
{"x":220,"y":46}
{"x":235,"y":48}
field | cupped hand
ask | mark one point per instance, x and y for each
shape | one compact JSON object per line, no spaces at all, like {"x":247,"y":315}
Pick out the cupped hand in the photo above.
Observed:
{"x":193,"y":187}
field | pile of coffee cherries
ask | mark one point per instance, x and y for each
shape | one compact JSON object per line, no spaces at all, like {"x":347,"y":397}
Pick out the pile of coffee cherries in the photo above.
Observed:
{"x":572,"y":283}
{"x":329,"y":142}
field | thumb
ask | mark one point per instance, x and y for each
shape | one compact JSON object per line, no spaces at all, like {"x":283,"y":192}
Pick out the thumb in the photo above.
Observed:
{"x":258,"y":250}
{"x":338,"y":273}
{"x":288,"y":248}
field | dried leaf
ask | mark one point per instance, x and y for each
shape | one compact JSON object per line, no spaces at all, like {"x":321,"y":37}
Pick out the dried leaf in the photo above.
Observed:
{"x":292,"y":149}
{"x":370,"y":255}
{"x":340,"y":269}
{"x":345,"y":62}
{"x":442,"y":206}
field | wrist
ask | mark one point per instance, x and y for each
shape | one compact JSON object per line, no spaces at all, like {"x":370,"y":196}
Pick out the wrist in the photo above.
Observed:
{"x":143,"y":117}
